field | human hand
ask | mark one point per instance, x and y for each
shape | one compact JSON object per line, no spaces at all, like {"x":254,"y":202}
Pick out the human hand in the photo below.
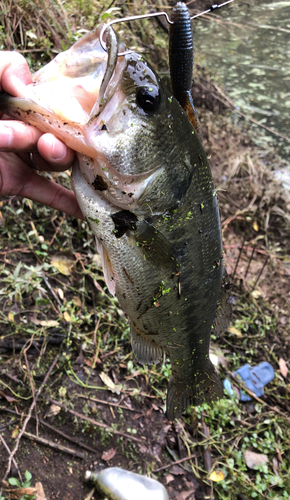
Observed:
{"x":18,"y":140}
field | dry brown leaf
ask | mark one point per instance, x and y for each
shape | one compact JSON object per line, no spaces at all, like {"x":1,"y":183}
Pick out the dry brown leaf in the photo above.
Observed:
{"x":177,"y":471}
{"x":53,"y":410}
{"x":109,"y":383}
{"x":63,"y":264}
{"x":10,"y":399}
{"x":40,"y":495}
{"x":92,"y":361}
{"x":77,"y":301}
{"x":20,"y":492}
{"x":169,"y":478}
{"x":235,"y":331}
{"x":109,"y":454}
{"x":253,"y":459}
{"x":283,"y":367}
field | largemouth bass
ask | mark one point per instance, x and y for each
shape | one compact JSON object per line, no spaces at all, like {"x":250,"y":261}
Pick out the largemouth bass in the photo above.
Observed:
{"x":144,"y":185}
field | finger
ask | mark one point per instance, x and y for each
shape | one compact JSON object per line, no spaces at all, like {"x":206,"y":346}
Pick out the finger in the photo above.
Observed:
{"x":18,"y":136}
{"x":19,"y":179}
{"x":55,"y":152}
{"x":14,"y":73}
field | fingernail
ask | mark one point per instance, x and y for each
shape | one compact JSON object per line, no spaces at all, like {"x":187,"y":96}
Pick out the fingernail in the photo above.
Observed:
{"x":6,"y":137}
{"x":59,"y":150}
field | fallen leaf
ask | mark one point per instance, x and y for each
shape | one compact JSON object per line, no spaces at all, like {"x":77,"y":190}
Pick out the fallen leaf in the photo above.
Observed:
{"x":109,"y":383}
{"x":53,"y":410}
{"x":217,"y":356}
{"x":275,"y":466}
{"x":216,"y":476}
{"x":235,"y":331}
{"x":169,"y":478}
{"x":10,"y":399}
{"x":279,"y":456}
{"x":67,"y":317}
{"x":283,"y":367}
{"x":255,"y":459}
{"x":10,"y":316}
{"x":15,"y":432}
{"x":108,"y":455}
{"x":63,"y":264}
{"x":177,"y":471}
{"x":20,"y":492}
{"x":187,"y":495}
{"x":92,"y":361}
{"x":77,"y":301}
{"x":50,"y":323}
{"x":40,"y":495}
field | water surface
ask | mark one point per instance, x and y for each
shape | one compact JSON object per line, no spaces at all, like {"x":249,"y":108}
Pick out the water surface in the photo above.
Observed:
{"x":246,"y":45}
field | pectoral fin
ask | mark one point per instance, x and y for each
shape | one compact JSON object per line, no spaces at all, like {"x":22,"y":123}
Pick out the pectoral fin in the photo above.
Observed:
{"x":108,"y":271}
{"x":155,"y":247}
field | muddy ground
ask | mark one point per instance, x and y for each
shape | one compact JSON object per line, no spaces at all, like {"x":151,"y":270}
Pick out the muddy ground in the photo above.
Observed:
{"x":64,"y":315}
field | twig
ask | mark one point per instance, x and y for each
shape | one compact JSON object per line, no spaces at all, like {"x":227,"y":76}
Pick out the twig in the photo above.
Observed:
{"x":207,"y":460}
{"x":30,"y":378}
{"x":260,"y":273}
{"x":108,"y":403}
{"x":9,"y":452}
{"x":94,"y":422}
{"x":51,"y":289}
{"x":239,"y":256}
{"x":29,"y":414}
{"x":175,"y":463}
{"x":66,"y":436}
{"x":51,"y":444}
{"x":54,"y":429}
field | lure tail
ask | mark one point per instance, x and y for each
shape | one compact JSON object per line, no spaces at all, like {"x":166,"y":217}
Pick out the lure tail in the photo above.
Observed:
{"x":181,"y":61}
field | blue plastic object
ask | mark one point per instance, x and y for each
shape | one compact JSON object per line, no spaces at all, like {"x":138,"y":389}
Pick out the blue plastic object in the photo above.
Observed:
{"x":255,"y":379}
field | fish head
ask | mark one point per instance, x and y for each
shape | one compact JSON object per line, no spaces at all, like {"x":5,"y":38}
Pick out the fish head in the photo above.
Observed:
{"x":143,"y":141}
{"x":132,"y":137}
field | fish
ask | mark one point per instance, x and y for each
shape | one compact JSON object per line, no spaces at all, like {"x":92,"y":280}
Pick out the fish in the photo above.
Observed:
{"x":144,"y":185}
{"x":119,"y":484}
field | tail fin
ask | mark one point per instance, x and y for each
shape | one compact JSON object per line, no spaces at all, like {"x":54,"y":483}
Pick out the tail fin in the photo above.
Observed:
{"x":203,"y":388}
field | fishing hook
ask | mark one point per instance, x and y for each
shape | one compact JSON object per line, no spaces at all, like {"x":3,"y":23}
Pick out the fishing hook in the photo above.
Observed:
{"x":151,"y":14}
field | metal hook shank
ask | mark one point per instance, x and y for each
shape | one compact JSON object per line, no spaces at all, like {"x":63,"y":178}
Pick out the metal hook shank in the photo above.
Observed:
{"x":145,"y":16}
{"x":130,"y":18}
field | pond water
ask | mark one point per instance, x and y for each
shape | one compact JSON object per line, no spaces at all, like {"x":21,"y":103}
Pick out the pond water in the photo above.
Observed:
{"x":246,"y":45}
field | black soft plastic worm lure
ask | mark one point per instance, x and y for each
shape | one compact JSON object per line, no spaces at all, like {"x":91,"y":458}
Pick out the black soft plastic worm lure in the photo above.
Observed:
{"x":181,"y":61}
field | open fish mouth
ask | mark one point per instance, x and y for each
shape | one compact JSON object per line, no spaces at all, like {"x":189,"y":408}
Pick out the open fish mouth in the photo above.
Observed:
{"x":80,"y":98}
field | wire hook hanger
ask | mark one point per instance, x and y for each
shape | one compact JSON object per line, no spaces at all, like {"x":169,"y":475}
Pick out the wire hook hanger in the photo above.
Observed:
{"x":152,"y":14}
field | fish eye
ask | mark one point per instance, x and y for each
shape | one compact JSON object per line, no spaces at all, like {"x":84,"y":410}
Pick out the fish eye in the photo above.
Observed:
{"x":148,"y":98}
